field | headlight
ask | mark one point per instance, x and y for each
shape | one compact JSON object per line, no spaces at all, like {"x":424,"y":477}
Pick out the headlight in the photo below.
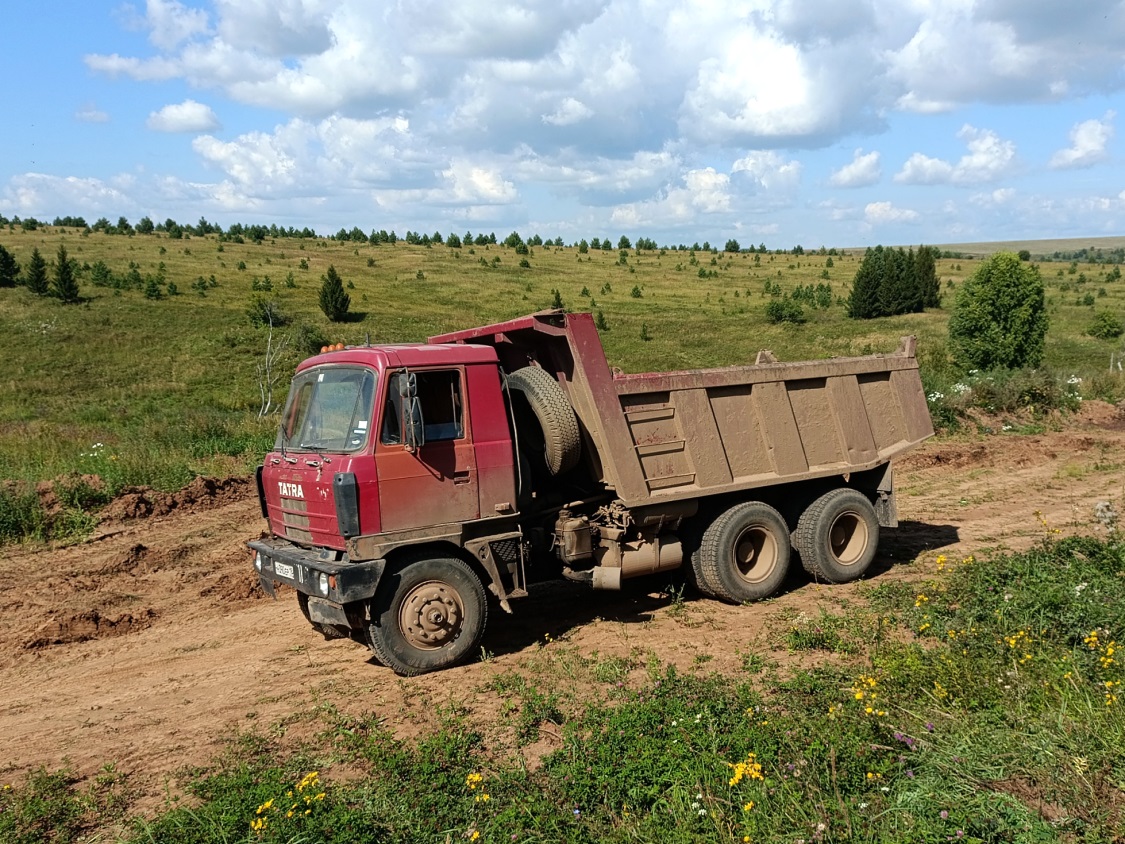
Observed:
{"x":322,"y":584}
{"x":258,"y":560}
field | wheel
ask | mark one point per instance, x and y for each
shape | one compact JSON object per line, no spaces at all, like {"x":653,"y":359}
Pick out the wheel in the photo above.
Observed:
{"x":427,"y":615}
{"x":693,"y":571}
{"x":695,"y":577}
{"x":837,"y":536}
{"x":744,"y":553}
{"x":561,"y":441}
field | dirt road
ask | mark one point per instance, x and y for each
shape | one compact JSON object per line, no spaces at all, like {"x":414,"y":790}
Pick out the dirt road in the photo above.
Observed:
{"x":150,"y":645}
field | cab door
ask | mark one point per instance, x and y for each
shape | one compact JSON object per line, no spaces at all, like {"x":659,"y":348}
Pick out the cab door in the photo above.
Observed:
{"x":436,"y":483}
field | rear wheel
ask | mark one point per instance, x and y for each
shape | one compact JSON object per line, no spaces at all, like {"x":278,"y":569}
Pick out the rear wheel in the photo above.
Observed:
{"x":838,"y":535}
{"x":744,"y":553}
{"x":428,"y":615}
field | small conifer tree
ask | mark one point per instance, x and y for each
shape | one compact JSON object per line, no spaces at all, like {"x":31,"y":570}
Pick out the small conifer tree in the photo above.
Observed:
{"x":9,"y":268}
{"x":65,"y":281}
{"x":334,"y":301}
{"x":36,"y":279}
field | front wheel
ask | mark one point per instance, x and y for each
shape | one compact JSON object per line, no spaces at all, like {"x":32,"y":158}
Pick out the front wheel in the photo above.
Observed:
{"x":428,"y":615}
{"x":744,"y":554}
{"x":837,"y":536}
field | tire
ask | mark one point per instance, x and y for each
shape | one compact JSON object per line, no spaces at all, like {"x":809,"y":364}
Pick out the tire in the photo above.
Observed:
{"x":695,"y":577}
{"x":744,"y":553}
{"x":837,"y":536}
{"x":562,"y":443}
{"x":428,"y":615}
{"x":693,"y":570}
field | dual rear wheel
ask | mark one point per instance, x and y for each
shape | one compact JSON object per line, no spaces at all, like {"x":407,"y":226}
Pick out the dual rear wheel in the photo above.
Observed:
{"x":744,"y":554}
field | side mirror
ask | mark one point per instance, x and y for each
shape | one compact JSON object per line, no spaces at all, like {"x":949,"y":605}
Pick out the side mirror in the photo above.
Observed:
{"x":413,"y":430}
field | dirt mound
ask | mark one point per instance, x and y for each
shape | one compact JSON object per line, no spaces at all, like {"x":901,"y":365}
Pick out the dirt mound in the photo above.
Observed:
{"x":949,"y":456}
{"x":82,"y":627}
{"x":238,"y":587}
{"x":1100,"y":414}
{"x":200,"y":494}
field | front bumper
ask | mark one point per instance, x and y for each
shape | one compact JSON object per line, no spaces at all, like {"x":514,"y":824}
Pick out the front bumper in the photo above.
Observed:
{"x":339,"y":581}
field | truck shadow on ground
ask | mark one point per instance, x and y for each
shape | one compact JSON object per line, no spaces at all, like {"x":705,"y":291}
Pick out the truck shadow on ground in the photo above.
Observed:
{"x":554,"y":608}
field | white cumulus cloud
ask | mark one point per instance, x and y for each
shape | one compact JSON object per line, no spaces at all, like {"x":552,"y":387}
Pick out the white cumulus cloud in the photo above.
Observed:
{"x":170,"y":23}
{"x":863,"y":170}
{"x":188,"y":116}
{"x":885,"y":212}
{"x":1088,"y":142}
{"x":989,"y":158}
{"x":993,"y":199}
{"x":570,"y":111}
{"x":769,"y":171}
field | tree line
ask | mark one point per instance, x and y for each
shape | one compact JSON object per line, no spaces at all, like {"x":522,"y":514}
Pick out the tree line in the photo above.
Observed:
{"x":257,"y":233}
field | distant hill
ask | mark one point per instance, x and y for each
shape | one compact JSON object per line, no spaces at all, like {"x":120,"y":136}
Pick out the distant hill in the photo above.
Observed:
{"x":1036,"y":247}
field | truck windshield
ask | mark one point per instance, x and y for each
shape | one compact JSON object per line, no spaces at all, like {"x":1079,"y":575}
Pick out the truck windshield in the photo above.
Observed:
{"x":328,"y":409}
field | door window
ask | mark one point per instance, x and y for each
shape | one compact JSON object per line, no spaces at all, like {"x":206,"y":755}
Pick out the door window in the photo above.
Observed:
{"x":439,"y":394}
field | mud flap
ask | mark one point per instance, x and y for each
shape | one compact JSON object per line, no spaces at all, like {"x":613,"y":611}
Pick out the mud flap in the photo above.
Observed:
{"x":267,"y":586}
{"x":885,"y":508}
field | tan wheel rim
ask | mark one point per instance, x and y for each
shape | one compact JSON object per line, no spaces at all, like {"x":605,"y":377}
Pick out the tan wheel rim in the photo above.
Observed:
{"x":848,"y":538}
{"x":755,"y":554}
{"x":431,"y":615}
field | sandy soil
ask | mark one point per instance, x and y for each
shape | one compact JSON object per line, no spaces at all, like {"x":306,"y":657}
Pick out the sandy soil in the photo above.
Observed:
{"x":150,"y":644}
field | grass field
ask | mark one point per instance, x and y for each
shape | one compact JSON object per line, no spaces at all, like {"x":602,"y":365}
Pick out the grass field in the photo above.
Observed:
{"x":153,"y":391}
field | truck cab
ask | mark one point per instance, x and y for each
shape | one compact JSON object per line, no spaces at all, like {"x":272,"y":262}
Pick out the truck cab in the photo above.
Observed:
{"x":382,"y":449}
{"x":345,"y":464}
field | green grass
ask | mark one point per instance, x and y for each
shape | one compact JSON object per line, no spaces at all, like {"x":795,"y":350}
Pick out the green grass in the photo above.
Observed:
{"x":984,"y":706}
{"x":169,"y":386}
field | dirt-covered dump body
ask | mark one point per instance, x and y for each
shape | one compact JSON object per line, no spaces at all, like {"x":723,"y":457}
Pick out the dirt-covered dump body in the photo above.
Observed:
{"x":676,"y":435}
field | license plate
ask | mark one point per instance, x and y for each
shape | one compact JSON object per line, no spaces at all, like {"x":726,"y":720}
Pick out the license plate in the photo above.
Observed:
{"x":283,"y":569}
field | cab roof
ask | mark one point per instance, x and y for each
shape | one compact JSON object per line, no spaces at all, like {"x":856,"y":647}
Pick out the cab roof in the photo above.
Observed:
{"x":406,"y":354}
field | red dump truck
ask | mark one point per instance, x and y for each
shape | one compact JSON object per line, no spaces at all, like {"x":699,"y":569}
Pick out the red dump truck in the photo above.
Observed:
{"x":410,"y":481}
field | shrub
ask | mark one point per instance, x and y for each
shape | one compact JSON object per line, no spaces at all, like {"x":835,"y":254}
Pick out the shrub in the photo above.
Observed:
{"x":308,"y":339}
{"x":265,"y":311}
{"x":999,"y":317}
{"x":784,"y":310}
{"x":1106,"y":326}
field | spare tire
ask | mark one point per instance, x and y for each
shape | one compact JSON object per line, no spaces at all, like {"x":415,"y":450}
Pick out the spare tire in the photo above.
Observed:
{"x":562,"y":443}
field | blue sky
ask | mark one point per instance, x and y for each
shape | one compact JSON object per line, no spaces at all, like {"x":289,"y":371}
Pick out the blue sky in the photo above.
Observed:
{"x":813,"y":122}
